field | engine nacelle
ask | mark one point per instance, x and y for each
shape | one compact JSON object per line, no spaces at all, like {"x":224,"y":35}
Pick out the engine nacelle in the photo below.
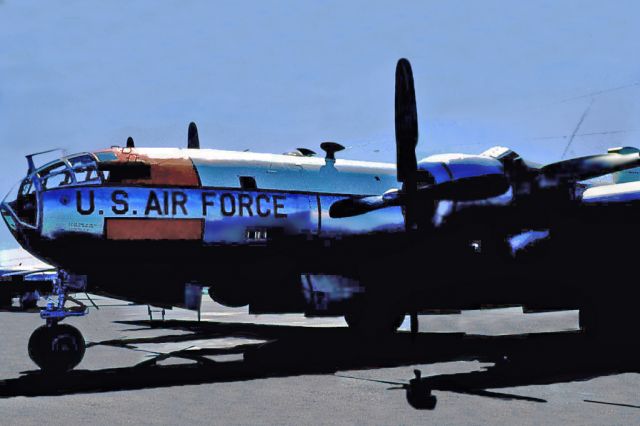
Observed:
{"x":450,"y":167}
{"x":229,"y":295}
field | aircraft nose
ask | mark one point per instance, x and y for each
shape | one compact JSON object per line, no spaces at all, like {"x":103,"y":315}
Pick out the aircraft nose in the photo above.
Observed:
{"x":9,"y":219}
{"x":19,"y":208}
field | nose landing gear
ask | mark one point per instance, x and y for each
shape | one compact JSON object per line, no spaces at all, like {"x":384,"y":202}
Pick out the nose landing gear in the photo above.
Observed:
{"x":54,"y":347}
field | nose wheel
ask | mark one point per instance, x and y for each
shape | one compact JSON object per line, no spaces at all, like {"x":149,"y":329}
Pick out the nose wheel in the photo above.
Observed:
{"x":56,"y":347}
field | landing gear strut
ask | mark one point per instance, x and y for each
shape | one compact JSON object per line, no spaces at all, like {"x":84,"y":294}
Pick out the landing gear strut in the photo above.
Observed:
{"x":54,"y":347}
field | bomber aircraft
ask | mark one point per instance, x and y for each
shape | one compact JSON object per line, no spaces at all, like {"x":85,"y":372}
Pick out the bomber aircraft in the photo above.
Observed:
{"x":295,"y":232}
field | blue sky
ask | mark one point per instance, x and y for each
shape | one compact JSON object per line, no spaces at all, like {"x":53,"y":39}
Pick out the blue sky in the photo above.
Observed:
{"x":274,"y":75}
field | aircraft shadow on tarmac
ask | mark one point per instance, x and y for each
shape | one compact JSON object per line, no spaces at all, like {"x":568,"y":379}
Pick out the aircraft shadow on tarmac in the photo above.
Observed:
{"x":292,"y":351}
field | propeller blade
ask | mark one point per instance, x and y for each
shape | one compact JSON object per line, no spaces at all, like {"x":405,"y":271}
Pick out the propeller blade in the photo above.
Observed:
{"x":406,"y":126}
{"x":406,"y":123}
{"x":193,"y":141}
{"x":350,"y":207}
{"x":467,"y":189}
{"x":130,"y":143}
{"x":577,"y":169}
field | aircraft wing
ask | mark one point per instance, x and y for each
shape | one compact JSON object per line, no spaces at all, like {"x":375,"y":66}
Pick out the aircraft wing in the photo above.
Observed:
{"x":622,"y":193}
{"x":21,"y":273}
{"x":4,"y":273}
{"x":18,"y":262}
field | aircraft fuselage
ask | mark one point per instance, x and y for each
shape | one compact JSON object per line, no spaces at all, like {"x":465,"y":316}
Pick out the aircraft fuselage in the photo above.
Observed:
{"x":124,"y":215}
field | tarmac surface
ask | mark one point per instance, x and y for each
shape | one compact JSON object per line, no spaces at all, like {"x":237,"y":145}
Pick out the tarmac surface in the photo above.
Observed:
{"x":493,"y":366}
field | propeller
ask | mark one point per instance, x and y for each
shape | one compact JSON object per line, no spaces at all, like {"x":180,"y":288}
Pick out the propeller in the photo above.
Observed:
{"x":193,"y":141}
{"x":478,"y":187}
{"x":415,"y":193}
{"x":130,"y":143}
{"x":412,"y":195}
{"x":583,"y":168}
{"x":350,"y":207}
{"x":406,"y":125}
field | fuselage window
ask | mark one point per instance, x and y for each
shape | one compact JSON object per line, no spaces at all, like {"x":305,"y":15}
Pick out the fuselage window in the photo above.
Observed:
{"x":256,"y":234}
{"x":248,"y":182}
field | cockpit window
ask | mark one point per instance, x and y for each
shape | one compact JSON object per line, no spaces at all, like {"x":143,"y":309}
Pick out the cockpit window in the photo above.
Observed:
{"x":86,"y":174}
{"x":51,"y":168}
{"x":81,"y":160}
{"x":84,"y":168}
{"x":25,"y":204}
{"x":54,"y":175}
{"x":27,"y":187}
{"x":106,"y":156}
{"x":81,"y":169}
{"x":52,"y":181}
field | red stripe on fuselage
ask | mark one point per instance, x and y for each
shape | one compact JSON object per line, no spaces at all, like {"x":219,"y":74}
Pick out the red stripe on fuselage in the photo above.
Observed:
{"x":153,"y":229}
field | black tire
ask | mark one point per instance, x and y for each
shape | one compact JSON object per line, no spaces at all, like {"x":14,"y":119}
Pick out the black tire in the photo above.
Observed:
{"x":225,"y":296}
{"x":368,"y":321}
{"x":57,"y":348}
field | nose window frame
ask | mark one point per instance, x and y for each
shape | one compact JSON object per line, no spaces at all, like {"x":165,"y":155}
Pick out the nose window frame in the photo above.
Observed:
{"x":35,"y":182}
{"x":72,"y":167}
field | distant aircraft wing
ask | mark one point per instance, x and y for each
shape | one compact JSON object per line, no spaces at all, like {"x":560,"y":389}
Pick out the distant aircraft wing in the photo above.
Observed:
{"x":18,"y":262}
{"x":23,"y":273}
{"x":622,"y":193}
{"x":21,"y":282}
